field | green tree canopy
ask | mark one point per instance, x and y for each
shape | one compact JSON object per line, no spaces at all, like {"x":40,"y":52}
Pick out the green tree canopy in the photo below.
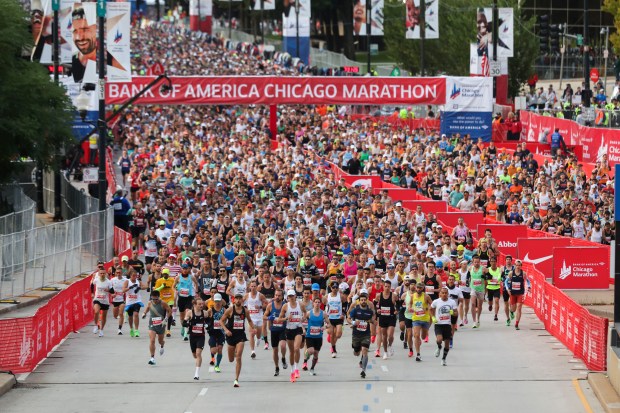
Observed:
{"x":35,"y":114}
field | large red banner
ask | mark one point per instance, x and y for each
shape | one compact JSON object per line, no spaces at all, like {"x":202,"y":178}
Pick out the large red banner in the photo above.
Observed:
{"x":433,"y":207}
{"x":539,"y":252}
{"x":24,"y":342}
{"x":577,"y":268}
{"x":269,"y":90}
{"x":505,"y":235}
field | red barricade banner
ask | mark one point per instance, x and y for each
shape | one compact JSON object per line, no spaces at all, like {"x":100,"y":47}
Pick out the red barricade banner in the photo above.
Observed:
{"x":24,"y":342}
{"x":366,"y":181}
{"x":505,"y":235}
{"x":433,"y":207}
{"x":404,"y":195}
{"x":428,"y":125}
{"x":270,"y":90}
{"x":581,"y":268}
{"x":539,"y":252}
{"x":472,"y":219}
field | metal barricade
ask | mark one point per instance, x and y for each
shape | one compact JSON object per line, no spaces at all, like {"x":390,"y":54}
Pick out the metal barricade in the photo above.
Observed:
{"x":22,"y":217}
{"x":55,"y":253}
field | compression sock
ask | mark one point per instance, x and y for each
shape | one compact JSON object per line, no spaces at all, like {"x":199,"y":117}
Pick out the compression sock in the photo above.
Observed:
{"x":315,"y":359}
{"x":218,"y":359}
{"x":445,"y":353}
{"x":364,"y":362}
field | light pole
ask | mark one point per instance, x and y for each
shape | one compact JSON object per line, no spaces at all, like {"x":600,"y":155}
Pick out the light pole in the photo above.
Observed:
{"x":230,"y":19}
{"x":101,"y":63}
{"x":297,"y":26}
{"x":56,"y":56}
{"x":605,"y":30}
{"x":368,"y":29}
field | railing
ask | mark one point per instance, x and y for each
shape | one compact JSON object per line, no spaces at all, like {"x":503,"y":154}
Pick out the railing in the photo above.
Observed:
{"x":599,"y":118}
{"x":74,"y":201}
{"x":51,"y":254}
{"x":23,"y":216}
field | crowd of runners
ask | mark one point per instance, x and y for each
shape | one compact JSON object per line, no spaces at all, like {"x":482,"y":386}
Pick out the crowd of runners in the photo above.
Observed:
{"x":238,"y":240}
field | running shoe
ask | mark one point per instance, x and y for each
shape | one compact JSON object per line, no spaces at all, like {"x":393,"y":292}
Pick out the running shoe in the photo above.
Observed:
{"x":266,"y":346}
{"x":174,"y":323}
{"x":512,"y":315}
{"x":284,"y":365}
{"x":185,"y":338}
{"x":461,"y":325}
{"x":334,"y":354}
{"x":426,"y":339}
{"x":402,"y":336}
{"x":363,"y":374}
{"x":508,"y":323}
{"x":329,"y":338}
{"x":490,"y":307}
{"x":312,"y":373}
{"x":465,"y":321}
{"x":161,"y":351}
{"x":120,"y":333}
{"x":437,"y":352}
{"x":517,"y":327}
{"x":410,"y":353}
{"x":168,"y":333}
{"x":95,"y":329}
{"x":236,"y":383}
{"x":495,"y":318}
{"x":253,"y":355}
{"x":196,"y":378}
{"x":373,"y":339}
{"x":100,"y":333}
{"x":152,"y":361}
{"x":304,"y":366}
{"x":212,"y":362}
{"x":418,"y":358}
{"x":217,"y":369}
{"x":443,"y":363}
{"x":385,"y":356}
{"x":277,"y":373}
{"x":405,"y":346}
{"x":391,"y":351}
{"x":296,"y":373}
{"x":377,"y":353}
{"x":478,"y":324}
{"x":131,"y":333}
{"x":136,"y":333}
{"x":293,"y":377}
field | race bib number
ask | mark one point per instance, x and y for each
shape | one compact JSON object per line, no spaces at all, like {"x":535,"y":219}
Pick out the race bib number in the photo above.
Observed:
{"x":334,"y":311}
{"x":253,"y":311}
{"x":384,"y":311}
{"x":295,"y":319}
{"x":315,"y":331}
{"x":462,"y":282}
{"x":198,"y":328}
{"x":477,"y":283}
{"x":119,"y":297}
{"x":132,"y":296}
{"x":362,"y":326}
{"x":419,"y":312}
{"x":307,"y":281}
{"x":444,"y":317}
{"x":184,"y":292}
{"x":429,"y":289}
{"x":221,"y":288}
{"x":493,"y":282}
{"x":217,"y":324}
{"x":516,"y":285}
{"x":278,"y":324}
{"x":238,"y":323}
{"x":156,"y":321}
{"x":100,"y":296}
{"x":321,"y":271}
{"x":206,"y":291}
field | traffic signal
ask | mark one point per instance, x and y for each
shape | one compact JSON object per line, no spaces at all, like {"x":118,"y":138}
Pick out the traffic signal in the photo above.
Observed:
{"x":554,"y":38}
{"x":543,"y":33}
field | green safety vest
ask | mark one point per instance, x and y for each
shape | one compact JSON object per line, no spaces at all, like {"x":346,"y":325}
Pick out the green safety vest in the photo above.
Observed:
{"x":493,"y":283}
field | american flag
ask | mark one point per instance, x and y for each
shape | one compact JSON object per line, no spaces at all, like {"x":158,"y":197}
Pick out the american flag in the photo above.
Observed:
{"x":486,"y":69}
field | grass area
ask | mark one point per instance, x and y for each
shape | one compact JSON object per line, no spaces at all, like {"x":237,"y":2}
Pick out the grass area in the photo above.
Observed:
{"x":380,"y":57}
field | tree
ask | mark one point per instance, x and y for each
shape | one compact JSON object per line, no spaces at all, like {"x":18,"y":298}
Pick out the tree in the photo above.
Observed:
{"x":449,"y":55}
{"x":613,"y":7}
{"x":35,"y":114}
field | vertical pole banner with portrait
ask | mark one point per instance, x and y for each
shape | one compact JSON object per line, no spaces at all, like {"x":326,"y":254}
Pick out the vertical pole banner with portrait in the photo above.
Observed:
{"x":266,"y":5}
{"x":118,"y":36}
{"x":469,"y":106}
{"x":484,"y":25}
{"x":359,"y":17}
{"x":289,"y":29}
{"x":84,"y":42}
{"x":412,"y":19}
{"x":200,"y":15}
{"x":41,"y":17}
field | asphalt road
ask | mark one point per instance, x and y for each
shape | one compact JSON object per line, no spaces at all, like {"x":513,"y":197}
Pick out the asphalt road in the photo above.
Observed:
{"x":492,"y":369}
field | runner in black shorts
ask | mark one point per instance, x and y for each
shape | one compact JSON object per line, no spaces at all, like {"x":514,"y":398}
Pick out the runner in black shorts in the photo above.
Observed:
{"x":361,"y":316}
{"x":386,"y":309}
{"x":277,"y":330}
{"x":196,"y":321}
{"x":216,"y":334}
{"x":233,"y":323}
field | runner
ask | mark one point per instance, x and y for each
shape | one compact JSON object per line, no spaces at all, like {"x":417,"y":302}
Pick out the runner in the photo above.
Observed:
{"x":119,"y":284}
{"x":360,"y":316}
{"x":133,"y":304}
{"x":418,"y":306}
{"x":443,"y":309}
{"x":386,"y":308}
{"x":317,"y":319}
{"x":216,"y":332}
{"x":186,"y":286}
{"x":101,"y":288}
{"x":456,"y":295}
{"x":158,"y":312}
{"x":464,"y":285}
{"x":164,"y":286}
{"x":293,"y":313}
{"x":478,"y":286}
{"x":233,"y":323}
{"x":255,"y":303}
{"x":494,"y":275}
{"x":268,"y":289}
{"x":277,"y":329}
{"x":506,"y":270}
{"x":402,"y":324}
{"x":196,"y":321}
{"x":515,"y":285}
{"x":333,"y":304}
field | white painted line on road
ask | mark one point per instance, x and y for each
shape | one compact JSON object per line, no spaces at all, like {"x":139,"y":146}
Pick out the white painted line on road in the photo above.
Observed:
{"x":390,"y":389}
{"x":211,"y":369}
{"x":384,"y":368}
{"x":388,"y":411}
{"x":203,"y":391}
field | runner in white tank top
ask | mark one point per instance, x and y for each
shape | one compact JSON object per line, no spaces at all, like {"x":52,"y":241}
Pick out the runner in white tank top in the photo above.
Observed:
{"x":255,"y":303}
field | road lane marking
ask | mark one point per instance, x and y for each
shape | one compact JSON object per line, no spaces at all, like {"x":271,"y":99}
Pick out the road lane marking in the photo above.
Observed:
{"x":390,"y":389}
{"x":581,"y":396}
{"x":203,"y":391}
{"x":384,"y":368}
{"x":368,"y":386}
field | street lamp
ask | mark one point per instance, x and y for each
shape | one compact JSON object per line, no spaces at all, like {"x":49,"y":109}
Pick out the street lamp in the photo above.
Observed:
{"x":605,"y":31}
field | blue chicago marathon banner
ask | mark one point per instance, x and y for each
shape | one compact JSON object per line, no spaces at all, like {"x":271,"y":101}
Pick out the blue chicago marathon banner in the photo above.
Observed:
{"x":291,"y":30}
{"x":469,"y":107}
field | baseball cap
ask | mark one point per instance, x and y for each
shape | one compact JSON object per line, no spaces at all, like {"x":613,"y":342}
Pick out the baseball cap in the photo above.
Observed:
{"x":217,"y":297}
{"x":290,"y":293}
{"x":460,"y":248}
{"x":125,"y":258}
{"x":408,"y":277}
{"x":364,"y":292}
{"x":184,"y":266}
{"x":165,"y":271}
{"x":316,"y":287}
{"x":162,"y":222}
{"x":238,"y":295}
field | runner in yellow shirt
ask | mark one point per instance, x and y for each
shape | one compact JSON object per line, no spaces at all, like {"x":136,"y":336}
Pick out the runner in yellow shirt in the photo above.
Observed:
{"x":165,"y":287}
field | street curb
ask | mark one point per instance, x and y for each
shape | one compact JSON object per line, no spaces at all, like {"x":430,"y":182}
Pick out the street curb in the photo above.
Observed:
{"x":604,"y":392}
{"x":7,"y":381}
{"x":29,"y":301}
